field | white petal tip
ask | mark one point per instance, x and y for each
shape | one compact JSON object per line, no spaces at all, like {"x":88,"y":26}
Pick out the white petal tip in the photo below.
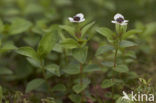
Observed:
{"x":118,"y":15}
{"x":114,"y":22}
{"x":70,"y":19}
{"x":81,"y":15}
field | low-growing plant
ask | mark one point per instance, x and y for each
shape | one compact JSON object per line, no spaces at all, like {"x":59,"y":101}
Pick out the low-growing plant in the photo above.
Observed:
{"x":48,"y":57}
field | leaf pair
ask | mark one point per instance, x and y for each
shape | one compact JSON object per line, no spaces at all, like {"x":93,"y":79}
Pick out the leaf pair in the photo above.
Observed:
{"x":45,"y":46}
{"x":72,"y":30}
{"x":78,"y":88}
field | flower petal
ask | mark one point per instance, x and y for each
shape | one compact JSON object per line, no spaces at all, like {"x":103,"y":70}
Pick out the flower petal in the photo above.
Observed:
{"x":80,"y":15}
{"x":118,"y":16}
{"x":82,"y":20}
{"x":114,"y":22}
{"x":125,"y":21}
{"x":71,"y":19}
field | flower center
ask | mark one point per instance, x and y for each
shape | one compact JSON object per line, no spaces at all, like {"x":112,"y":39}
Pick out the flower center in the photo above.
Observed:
{"x":119,"y":20}
{"x":76,"y":18}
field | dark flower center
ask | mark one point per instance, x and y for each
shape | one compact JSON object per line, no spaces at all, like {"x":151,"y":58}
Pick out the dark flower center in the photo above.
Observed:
{"x":119,"y":20}
{"x":76,"y":18}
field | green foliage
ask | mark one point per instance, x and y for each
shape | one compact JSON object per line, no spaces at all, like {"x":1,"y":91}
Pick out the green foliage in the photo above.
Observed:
{"x":57,"y":61}
{"x":72,"y":69}
{"x":91,"y":68}
{"x":75,"y":98}
{"x":86,"y":28}
{"x":27,"y":51}
{"x":1,"y":94}
{"x":121,"y":69}
{"x":104,"y":49}
{"x":54,"y":69}
{"x":59,"y":87}
{"x":19,"y":25}
{"x":107,"y":83}
{"x":34,"y":84}
{"x":1,"y":26}
{"x":8,"y":46}
{"x":69,"y":43}
{"x":78,"y":88}
{"x":106,"y":32}
{"x":80,"y":54}
{"x":5,"y":71}
{"x":130,"y":33}
{"x":125,"y":43}
{"x":47,"y":43}
{"x":69,"y":29}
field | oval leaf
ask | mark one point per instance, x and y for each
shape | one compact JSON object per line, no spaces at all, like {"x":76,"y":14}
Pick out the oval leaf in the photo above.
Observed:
{"x":69,"y":43}
{"x":104,"y":49}
{"x":54,"y":69}
{"x":107,"y":83}
{"x":80,"y":54}
{"x":121,"y":69}
{"x":34,"y":84}
{"x":131,"y":32}
{"x":69,"y":29}
{"x":126,"y":43}
{"x":19,"y":25}
{"x":27,"y":51}
{"x":47,"y":43}
{"x":86,"y":28}
{"x":106,"y":32}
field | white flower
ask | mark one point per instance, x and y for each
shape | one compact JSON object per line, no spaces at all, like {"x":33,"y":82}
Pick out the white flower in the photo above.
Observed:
{"x":119,"y":19}
{"x":77,"y":18}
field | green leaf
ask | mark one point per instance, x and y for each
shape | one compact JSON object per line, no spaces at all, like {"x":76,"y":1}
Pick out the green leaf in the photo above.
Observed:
{"x":34,"y":62}
{"x":104,"y":49}
{"x":58,"y":48}
{"x":126,"y":43}
{"x":108,"y":64}
{"x":0,"y":43}
{"x":121,"y":69}
{"x":19,"y":25}
{"x":54,"y":69}
{"x":1,"y":26}
{"x":80,"y":54}
{"x":132,"y":75}
{"x":78,"y":88}
{"x":69,"y":29}
{"x":75,"y":98}
{"x":131,"y":32}
{"x":1,"y":94}
{"x":106,"y":32}
{"x":86,"y":28}
{"x":69,"y":43}
{"x":149,"y":29}
{"x":72,"y":69}
{"x":107,"y":83}
{"x":91,"y":68}
{"x":5,"y":71}
{"x":7,"y":47}
{"x":59,"y":87}
{"x":34,"y":84}
{"x":47,"y":43}
{"x":27,"y":51}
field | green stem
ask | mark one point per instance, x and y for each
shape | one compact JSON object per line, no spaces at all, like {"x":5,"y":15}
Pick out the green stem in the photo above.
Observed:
{"x":42,"y":67}
{"x":81,"y":81}
{"x":78,"y":31}
{"x":44,"y":76}
{"x":81,"y":74}
{"x":65,"y":56}
{"x":119,"y":38}
{"x":115,"y":56}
